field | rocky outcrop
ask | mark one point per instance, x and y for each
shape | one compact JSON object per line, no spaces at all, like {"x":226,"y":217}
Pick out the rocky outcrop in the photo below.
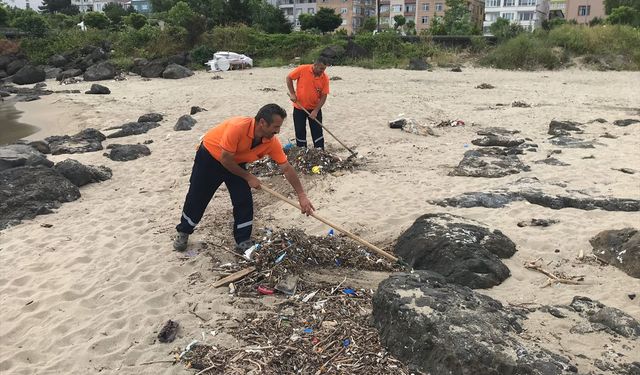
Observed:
{"x":132,"y":128}
{"x":619,"y":248}
{"x":29,"y":74}
{"x":175,"y":71}
{"x":68,"y":74}
{"x":87,"y":140}
{"x":18,"y":155}
{"x":29,"y":191}
{"x":464,"y":252}
{"x":80,"y":174}
{"x":127,"y":152}
{"x":185,"y":122}
{"x":490,"y":162}
{"x":98,"y":90}
{"x":100,"y":72}
{"x":150,"y":117}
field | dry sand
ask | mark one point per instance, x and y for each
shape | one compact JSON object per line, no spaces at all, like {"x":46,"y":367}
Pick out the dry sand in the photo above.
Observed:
{"x":90,"y":293}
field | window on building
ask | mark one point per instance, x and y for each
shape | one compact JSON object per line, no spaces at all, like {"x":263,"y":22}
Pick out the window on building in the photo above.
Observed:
{"x":491,"y":16}
{"x":27,"y":6}
{"x":425,"y":20}
{"x":439,"y":7}
{"x":525,"y":16}
{"x":508,"y":16}
{"x":410,"y":8}
{"x":397,"y":8}
{"x":311,"y":10}
{"x":298,"y":11}
{"x":493,"y":3}
{"x":343,"y":10}
{"x":509,"y":3}
{"x":584,"y":10}
{"x":425,"y":7}
{"x":527,"y":3}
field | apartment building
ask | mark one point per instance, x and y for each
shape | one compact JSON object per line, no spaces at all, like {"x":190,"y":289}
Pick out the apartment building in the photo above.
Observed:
{"x":422,"y":12}
{"x":583,"y":11}
{"x":23,"y":4}
{"x":527,"y":13}
{"x":353,"y":12}
{"x":292,"y":9}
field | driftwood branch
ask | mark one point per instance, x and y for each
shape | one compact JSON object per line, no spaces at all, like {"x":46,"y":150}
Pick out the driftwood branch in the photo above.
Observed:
{"x":552,"y":278}
{"x":234,"y":277}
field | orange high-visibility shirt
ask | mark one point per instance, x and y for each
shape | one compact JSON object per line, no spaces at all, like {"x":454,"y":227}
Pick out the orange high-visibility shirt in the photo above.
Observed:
{"x":309,"y":88}
{"x":235,"y":135}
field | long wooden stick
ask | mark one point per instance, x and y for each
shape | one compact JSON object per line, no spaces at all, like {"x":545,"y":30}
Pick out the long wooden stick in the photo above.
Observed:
{"x":328,"y":131}
{"x":376,"y":249}
{"x":233,"y":277}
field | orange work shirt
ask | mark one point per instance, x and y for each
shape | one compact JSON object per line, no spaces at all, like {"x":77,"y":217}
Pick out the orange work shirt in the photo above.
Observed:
{"x":309,"y":88}
{"x":235,"y":135}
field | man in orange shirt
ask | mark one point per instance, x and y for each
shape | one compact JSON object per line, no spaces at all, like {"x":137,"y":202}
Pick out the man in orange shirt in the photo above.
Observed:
{"x":222,"y":157}
{"x":312,"y":88}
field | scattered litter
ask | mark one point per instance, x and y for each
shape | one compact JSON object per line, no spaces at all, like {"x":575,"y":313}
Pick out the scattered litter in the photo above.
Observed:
{"x":268,"y":89}
{"x":249,"y":251}
{"x":265,"y":290}
{"x":520,"y":104}
{"x":485,"y":86}
{"x":331,"y":232}
{"x":309,"y":296}
{"x":188,"y":348}
{"x":280,"y":258}
{"x":335,"y":78}
{"x":349,"y":292}
{"x":288,"y":285}
{"x":168,"y":331}
{"x":307,"y":330}
{"x":305,"y":160}
{"x":346,"y":342}
{"x":450,"y":123}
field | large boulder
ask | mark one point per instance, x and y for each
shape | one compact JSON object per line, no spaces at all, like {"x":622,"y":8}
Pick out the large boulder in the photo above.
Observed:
{"x":152,"y":69}
{"x":29,"y":74}
{"x":5,"y":60}
{"x":564,"y":127}
{"x":68,"y":74}
{"x":150,"y":117}
{"x":132,"y":128}
{"x":418,"y":64}
{"x":333,"y":53}
{"x":57,"y":60}
{"x":490,"y":162}
{"x":185,"y":122}
{"x":441,"y":328}
{"x":18,"y":155}
{"x":180,"y":59}
{"x":620,"y":248}
{"x":29,"y":191}
{"x":175,"y":71}
{"x":127,"y":152}
{"x":87,"y":140}
{"x":80,"y":174}
{"x":100,"y":71}
{"x":462,"y":251}
{"x":52,"y":73}
{"x":98,"y":90}
{"x":614,"y":320}
{"x":356,"y":51}
{"x":13,"y":67}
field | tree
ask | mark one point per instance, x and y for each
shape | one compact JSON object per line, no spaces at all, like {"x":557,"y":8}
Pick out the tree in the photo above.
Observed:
{"x":369,"y":24}
{"x":437,"y":26}
{"x":136,"y":20}
{"x":114,"y":12}
{"x":399,"y":21}
{"x":58,"y":6}
{"x":31,"y":22}
{"x":160,"y":6}
{"x":182,"y":15}
{"x":624,"y":15}
{"x":268,"y":18}
{"x":411,"y":27}
{"x":237,"y":11}
{"x":503,"y":29}
{"x":4,"y":15}
{"x":97,"y":20}
{"x":326,"y":20}
{"x":457,"y":18}
{"x":610,"y":5}
{"x":307,"y":21}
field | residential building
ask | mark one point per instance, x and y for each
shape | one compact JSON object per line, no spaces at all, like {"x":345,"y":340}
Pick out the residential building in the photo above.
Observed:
{"x":141,"y":6}
{"x":23,"y":4}
{"x":423,"y":12}
{"x":94,"y":5}
{"x":557,"y":9}
{"x":353,"y":12}
{"x":292,"y":9}
{"x":583,"y":11}
{"x":527,"y":13}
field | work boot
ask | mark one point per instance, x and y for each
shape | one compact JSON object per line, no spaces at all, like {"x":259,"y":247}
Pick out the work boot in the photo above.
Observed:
{"x":244,"y":246}
{"x":180,"y":242}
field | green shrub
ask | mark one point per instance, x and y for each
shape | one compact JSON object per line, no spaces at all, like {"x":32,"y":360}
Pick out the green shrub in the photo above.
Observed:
{"x":40,"y":49}
{"x":525,"y":51}
{"x":97,"y":20}
{"x":135,"y":20}
{"x":33,"y":23}
{"x":201,"y":54}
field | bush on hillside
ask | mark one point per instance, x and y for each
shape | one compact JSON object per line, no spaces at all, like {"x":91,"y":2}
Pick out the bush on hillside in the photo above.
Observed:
{"x":96,"y":20}
{"x":31,"y":22}
{"x":135,"y":20}
{"x":525,"y":51}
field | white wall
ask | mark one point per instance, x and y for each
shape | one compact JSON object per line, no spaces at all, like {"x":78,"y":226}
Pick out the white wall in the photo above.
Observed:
{"x":23,"y":4}
{"x":526,"y":13}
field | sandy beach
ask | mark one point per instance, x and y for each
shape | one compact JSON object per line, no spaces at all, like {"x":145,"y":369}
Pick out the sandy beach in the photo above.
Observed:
{"x":90,"y":293}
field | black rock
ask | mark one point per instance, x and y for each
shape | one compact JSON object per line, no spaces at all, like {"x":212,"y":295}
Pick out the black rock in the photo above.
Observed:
{"x":175,"y":71}
{"x":571,"y":142}
{"x":127,"y":152}
{"x":98,"y":89}
{"x":5,"y":60}
{"x":99,"y":72}
{"x":29,"y":74}
{"x":27,"y":98}
{"x":196,"y":109}
{"x":40,"y":146}
{"x":457,"y":69}
{"x":620,"y":248}
{"x":4,"y":94}
{"x":185,"y":122}
{"x":440,"y":328}
{"x":150,"y":117}
{"x":80,"y":174}
{"x":625,"y":122}
{"x":462,"y":251}
{"x":613,"y":319}
{"x":152,"y":69}
{"x":355,"y":50}
{"x":14,"y":66}
{"x":498,"y":140}
{"x":51,"y":73}
{"x":418,"y":64}
{"x":179,"y":59}
{"x":18,"y":155}
{"x":57,"y":60}
{"x":489,"y":162}
{"x":552,"y":161}
{"x":397,"y":124}
{"x":85,"y":141}
{"x":168,"y":331}
{"x":538,"y":223}
{"x":333,"y":53}
{"x":68,"y":74}
{"x":563,"y":127}
{"x":29,"y":191}
{"x":132,"y":128}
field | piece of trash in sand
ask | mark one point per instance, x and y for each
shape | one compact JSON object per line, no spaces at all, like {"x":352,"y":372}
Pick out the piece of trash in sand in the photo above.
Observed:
{"x":316,"y":169}
{"x":249,"y":251}
{"x":349,"y":292}
{"x":346,"y":342}
{"x":280,"y":258}
{"x":328,"y":324}
{"x":294,"y":338}
{"x":308,"y":330}
{"x":309,"y":296}
{"x":331,"y":232}
{"x":191,"y":253}
{"x":186,"y":350}
{"x":232,"y":288}
{"x":319,"y":305}
{"x":288,"y":285}
{"x":265,"y":290}
{"x":168,"y":331}
{"x":213,"y":333}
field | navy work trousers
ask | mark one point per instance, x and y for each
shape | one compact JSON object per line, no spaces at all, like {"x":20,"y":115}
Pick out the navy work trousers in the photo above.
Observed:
{"x":300,"y":124}
{"x":206,"y":177}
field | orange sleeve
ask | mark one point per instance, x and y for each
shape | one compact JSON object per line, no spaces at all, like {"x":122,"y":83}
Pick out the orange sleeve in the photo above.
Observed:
{"x":276,"y":153}
{"x":295,"y":73}
{"x":231,"y":138}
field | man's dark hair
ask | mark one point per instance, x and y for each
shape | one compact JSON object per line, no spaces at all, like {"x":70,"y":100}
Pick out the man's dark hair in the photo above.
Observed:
{"x":268,"y":111}
{"x":323,"y":60}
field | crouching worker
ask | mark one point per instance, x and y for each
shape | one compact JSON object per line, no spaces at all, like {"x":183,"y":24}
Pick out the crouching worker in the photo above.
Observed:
{"x":222,"y":157}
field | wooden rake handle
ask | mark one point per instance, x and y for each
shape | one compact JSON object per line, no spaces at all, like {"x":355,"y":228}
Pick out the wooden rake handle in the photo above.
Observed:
{"x":374,"y":248}
{"x":328,"y":131}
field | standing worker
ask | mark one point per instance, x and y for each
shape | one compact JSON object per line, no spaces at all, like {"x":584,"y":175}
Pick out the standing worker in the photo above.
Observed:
{"x":222,"y":157}
{"x":312,"y":88}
